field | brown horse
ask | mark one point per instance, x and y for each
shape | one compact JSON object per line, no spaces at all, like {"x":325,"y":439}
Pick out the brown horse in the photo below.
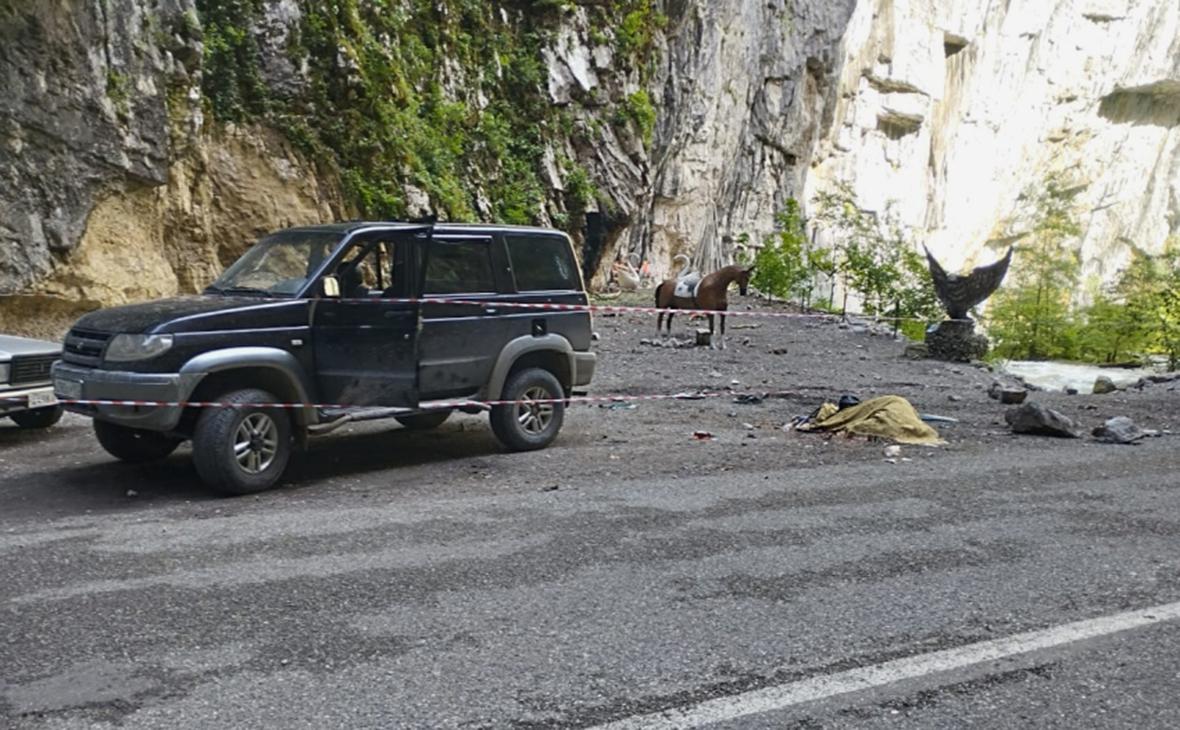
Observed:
{"x":710,"y":294}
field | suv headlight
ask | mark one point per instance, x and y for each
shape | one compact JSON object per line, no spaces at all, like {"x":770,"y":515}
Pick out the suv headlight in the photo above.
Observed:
{"x":128,"y":348}
{"x":5,"y":371}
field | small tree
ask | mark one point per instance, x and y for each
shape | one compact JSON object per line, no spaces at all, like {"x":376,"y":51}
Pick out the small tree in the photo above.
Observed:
{"x":1109,"y":331}
{"x":878,"y":260}
{"x":1032,"y":318}
{"x":1151,"y":289}
{"x":781,"y":266}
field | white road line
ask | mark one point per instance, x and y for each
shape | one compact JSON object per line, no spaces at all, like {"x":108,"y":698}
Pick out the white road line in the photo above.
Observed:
{"x":854,"y":680}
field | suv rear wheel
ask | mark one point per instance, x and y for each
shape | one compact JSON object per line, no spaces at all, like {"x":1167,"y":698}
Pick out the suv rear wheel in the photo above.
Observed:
{"x":245,"y":447}
{"x":37,"y":418}
{"x":133,"y":445}
{"x":423,"y":421}
{"x":533,"y":418}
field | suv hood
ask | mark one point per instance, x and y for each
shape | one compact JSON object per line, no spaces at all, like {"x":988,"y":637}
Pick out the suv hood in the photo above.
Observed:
{"x":139,"y":318}
{"x":13,"y":346}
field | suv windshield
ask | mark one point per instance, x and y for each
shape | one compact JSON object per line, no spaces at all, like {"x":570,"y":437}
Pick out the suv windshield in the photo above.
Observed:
{"x":278,"y":265}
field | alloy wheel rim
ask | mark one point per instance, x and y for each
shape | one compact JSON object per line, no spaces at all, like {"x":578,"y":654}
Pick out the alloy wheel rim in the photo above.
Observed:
{"x":533,"y":413}
{"x":256,"y":443}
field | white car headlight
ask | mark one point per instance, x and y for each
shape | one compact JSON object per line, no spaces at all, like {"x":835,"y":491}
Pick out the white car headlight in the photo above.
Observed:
{"x":5,"y":371}
{"x":128,"y":348}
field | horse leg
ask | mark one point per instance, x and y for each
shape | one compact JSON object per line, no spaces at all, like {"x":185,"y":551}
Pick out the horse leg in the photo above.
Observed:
{"x":669,"y":323}
{"x":712,"y":344}
{"x":723,"y":331}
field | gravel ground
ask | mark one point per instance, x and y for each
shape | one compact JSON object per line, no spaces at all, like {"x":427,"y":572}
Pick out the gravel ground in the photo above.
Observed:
{"x":404,"y":579}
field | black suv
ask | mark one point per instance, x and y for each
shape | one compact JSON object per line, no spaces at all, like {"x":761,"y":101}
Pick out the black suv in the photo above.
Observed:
{"x":338,"y":323}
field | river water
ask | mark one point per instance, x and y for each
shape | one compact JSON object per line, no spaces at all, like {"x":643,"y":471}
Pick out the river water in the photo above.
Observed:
{"x":1061,"y":375}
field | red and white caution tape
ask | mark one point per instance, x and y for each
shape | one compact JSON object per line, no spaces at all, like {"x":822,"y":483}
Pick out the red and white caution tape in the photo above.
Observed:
{"x":433,"y":405}
{"x":621,"y":309}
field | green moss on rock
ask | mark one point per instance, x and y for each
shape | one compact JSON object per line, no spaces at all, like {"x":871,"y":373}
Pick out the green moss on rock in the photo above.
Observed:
{"x":449,"y":96}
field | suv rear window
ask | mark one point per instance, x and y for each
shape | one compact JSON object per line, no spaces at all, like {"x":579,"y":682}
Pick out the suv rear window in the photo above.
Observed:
{"x":461,"y":267}
{"x":542,"y":263}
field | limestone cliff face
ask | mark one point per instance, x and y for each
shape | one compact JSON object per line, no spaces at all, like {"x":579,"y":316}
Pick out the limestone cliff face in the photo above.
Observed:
{"x":682,"y":123}
{"x":139,"y":153}
{"x":113,"y":188}
{"x":950,"y":110}
{"x":746,"y":89}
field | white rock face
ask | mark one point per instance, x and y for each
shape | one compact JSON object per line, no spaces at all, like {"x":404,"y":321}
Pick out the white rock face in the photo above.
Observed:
{"x":742,"y":90}
{"x":949,"y":109}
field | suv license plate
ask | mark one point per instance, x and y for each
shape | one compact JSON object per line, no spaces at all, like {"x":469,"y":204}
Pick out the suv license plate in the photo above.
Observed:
{"x":42,"y":399}
{"x":70,"y":389}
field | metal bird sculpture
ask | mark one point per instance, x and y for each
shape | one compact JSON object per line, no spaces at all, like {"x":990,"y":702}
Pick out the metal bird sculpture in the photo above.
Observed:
{"x":959,"y":293}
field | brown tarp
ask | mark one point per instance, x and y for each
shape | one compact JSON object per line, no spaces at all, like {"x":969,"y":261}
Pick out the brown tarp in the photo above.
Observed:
{"x":888,"y":417}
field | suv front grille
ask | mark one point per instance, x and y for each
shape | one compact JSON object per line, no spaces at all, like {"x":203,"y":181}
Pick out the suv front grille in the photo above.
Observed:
{"x":85,"y":347}
{"x":31,"y":369}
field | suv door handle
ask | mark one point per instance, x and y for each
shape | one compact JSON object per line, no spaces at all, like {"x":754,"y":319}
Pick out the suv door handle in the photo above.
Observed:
{"x":490,"y":310}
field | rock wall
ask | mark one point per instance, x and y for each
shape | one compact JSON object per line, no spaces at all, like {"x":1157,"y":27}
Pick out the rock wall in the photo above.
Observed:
{"x":115,"y":188}
{"x":745,"y":91}
{"x":950,"y":110}
{"x":141,"y":148}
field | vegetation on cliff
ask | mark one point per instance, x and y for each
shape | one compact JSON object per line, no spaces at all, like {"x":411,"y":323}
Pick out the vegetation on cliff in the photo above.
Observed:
{"x":448,"y":97}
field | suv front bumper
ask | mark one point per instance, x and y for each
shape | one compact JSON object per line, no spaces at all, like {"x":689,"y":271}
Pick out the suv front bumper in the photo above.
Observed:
{"x":73,"y":383}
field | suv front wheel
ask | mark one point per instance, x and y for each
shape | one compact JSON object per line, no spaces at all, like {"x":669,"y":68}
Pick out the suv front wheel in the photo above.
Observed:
{"x":534,"y":414}
{"x":244,"y":446}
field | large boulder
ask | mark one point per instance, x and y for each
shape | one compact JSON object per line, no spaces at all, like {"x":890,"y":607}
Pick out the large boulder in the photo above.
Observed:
{"x":1038,"y":420}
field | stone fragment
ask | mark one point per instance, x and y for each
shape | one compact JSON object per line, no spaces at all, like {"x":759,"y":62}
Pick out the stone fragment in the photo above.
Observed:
{"x":1119,"y":430}
{"x":1038,"y":420}
{"x":1005,"y":394}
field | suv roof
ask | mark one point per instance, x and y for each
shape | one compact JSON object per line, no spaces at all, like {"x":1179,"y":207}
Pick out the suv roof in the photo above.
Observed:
{"x":349,"y":226}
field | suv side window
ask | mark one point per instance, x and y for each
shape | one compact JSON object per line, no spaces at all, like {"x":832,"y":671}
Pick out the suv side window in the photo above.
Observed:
{"x":542,"y":263}
{"x":379,"y":273}
{"x":459,"y":267}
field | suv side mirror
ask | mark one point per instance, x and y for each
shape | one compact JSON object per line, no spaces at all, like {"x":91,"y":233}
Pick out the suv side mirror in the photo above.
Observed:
{"x":331,"y":287}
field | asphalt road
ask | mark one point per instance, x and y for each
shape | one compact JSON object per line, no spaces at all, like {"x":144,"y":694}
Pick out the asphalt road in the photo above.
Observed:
{"x":460,"y":589}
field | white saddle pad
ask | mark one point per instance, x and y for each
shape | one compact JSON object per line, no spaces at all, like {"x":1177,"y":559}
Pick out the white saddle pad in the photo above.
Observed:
{"x":686,"y":288}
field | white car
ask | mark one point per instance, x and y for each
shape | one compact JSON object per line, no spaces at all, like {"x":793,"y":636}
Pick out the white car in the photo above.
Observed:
{"x":26,"y":387}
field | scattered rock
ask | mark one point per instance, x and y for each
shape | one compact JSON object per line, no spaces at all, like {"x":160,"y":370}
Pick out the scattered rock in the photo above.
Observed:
{"x":1104,"y":385}
{"x":892,"y":452}
{"x":1119,"y":430}
{"x":1036,"y":419}
{"x":779,"y":351}
{"x":748,"y":399}
{"x":954,"y":398}
{"x":1071,"y":391}
{"x":1005,"y":394}
{"x":748,"y":426}
{"x":132,"y":493}
{"x":916,"y":351}
{"x":550,"y":488}
{"x":702,"y":436}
